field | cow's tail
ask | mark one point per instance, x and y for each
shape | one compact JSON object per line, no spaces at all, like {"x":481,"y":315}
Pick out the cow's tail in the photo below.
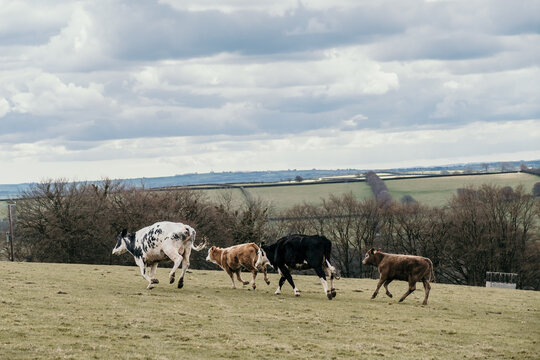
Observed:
{"x":193,"y":235}
{"x":327,"y":254}
{"x":431,"y":272}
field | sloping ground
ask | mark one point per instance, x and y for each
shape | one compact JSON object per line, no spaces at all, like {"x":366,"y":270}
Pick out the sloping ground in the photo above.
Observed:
{"x":436,"y":191}
{"x":60,"y":311}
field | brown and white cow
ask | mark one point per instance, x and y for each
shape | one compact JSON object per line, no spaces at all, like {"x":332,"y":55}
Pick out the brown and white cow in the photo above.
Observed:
{"x":401,"y":267}
{"x":234,"y":258}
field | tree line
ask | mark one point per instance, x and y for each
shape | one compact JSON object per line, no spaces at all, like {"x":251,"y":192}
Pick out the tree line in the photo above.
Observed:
{"x":481,"y":229}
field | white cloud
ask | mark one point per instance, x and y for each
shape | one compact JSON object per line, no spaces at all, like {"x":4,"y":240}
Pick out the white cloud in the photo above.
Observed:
{"x":233,"y":85}
{"x":4,"y":107}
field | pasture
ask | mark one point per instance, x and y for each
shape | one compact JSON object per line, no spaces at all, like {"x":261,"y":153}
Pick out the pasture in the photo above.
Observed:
{"x":436,"y":191}
{"x":66,"y":311}
{"x":433,"y":191}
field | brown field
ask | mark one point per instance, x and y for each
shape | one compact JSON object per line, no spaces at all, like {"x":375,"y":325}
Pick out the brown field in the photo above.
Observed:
{"x":63,"y":311}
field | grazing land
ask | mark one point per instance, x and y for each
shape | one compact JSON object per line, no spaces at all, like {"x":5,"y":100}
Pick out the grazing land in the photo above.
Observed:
{"x":66,"y":311}
{"x":433,"y":191}
{"x":436,"y":191}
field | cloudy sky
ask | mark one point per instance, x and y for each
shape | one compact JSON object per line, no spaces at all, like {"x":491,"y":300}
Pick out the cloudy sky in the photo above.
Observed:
{"x":128,"y":88}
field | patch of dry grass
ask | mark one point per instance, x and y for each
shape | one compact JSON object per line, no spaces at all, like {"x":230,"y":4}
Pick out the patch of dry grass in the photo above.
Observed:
{"x":60,"y":311}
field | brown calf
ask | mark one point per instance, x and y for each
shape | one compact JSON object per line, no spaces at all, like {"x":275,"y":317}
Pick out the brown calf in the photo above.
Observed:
{"x":234,"y":258}
{"x":401,"y":267}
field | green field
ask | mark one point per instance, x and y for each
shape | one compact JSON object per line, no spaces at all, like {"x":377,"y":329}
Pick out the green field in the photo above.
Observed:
{"x":61,"y":311}
{"x":434,"y":191}
{"x":438,"y":190}
{"x":286,"y":196}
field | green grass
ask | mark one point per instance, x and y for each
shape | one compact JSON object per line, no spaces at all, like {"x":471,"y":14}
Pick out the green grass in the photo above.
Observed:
{"x":437,"y":191}
{"x":286,"y":196}
{"x":60,"y":311}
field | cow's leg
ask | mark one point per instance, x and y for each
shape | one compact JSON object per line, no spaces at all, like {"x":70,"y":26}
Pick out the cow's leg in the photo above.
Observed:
{"x":173,"y":254}
{"x":142,"y":265}
{"x":254,"y":271}
{"x":330,"y":270}
{"x":240,"y":278}
{"x":320,"y":273}
{"x":231,"y":275}
{"x":286,"y":273}
{"x":386,"y":287}
{"x":381,"y":281}
{"x":265,"y":275}
{"x":185,"y":265}
{"x":427,"y":288}
{"x":412,"y":287}
{"x":153,"y":273}
{"x":281,"y":282}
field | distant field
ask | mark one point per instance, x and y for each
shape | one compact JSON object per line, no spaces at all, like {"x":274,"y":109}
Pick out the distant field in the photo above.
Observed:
{"x":60,"y":311}
{"x":438,"y":190}
{"x":3,"y":210}
{"x":435,"y":191}
{"x":283,"y":197}
{"x":286,"y":196}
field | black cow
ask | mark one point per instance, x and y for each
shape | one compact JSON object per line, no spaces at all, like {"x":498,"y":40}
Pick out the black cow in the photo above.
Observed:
{"x":300,"y":252}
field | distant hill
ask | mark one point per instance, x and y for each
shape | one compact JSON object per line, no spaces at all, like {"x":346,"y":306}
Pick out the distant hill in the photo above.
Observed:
{"x":235,"y":177}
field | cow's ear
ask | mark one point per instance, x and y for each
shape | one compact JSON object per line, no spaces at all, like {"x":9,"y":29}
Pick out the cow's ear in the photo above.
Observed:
{"x":262,"y":244}
{"x":372,"y":251}
{"x":124,"y":233}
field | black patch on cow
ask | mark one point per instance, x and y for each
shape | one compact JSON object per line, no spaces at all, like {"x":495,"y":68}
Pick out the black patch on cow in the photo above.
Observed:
{"x":132,"y":248}
{"x":179,"y":236}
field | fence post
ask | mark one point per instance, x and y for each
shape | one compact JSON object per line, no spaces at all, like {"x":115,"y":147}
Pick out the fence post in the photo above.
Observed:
{"x":10,"y":206}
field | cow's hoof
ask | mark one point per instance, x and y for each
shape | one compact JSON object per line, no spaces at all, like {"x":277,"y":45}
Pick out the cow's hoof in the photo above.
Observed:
{"x":155,"y":281}
{"x":171,"y":279}
{"x":181,"y":283}
{"x":389,"y":295}
{"x":333,"y":292}
{"x":245,"y":282}
{"x":329,"y":295}
{"x":254,"y":286}
{"x":267,"y":282}
{"x":424,"y":303}
{"x":150,"y":287}
{"x":277,"y":293}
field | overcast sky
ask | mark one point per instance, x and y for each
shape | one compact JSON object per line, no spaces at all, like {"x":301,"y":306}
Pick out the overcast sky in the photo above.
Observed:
{"x":127,"y":88}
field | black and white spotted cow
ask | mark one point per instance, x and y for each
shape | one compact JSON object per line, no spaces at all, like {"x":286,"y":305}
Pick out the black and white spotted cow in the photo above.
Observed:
{"x":157,"y":242}
{"x":300,"y":252}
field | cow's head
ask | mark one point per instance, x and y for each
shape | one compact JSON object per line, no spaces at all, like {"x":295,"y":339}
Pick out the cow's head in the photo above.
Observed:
{"x":211,"y":255}
{"x":120,"y":247}
{"x":370,"y":257}
{"x":262,"y":257}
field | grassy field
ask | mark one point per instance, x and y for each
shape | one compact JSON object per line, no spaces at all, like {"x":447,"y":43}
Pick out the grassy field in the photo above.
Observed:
{"x":60,"y":311}
{"x":284,"y":197}
{"x":434,"y":191}
{"x":437,"y":191}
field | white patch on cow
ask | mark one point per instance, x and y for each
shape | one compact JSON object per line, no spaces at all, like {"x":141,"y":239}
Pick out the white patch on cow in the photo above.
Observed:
{"x":278,"y":291}
{"x":120,"y":249}
{"x":325,"y":285}
{"x":262,"y":260}
{"x":296,"y":292}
